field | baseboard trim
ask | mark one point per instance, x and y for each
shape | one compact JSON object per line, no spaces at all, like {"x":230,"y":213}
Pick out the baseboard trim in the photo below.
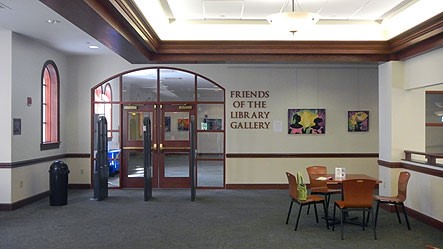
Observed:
{"x":416,"y":215}
{"x":425,"y":219}
{"x":24,"y":202}
{"x":271,"y":186}
{"x":79,"y":186}
{"x":256,"y":186}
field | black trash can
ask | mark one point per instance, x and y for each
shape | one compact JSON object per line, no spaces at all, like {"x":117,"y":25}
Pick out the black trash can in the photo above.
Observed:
{"x":58,"y":183}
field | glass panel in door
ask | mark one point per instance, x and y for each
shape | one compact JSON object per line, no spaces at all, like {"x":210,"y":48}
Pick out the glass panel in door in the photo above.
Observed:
{"x":133,"y":154}
{"x":174,"y":159}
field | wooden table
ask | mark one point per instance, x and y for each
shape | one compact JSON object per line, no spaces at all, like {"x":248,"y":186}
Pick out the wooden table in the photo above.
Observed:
{"x":330,"y":178}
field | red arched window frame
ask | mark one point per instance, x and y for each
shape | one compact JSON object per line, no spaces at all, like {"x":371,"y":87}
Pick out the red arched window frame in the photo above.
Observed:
{"x":50,"y":118}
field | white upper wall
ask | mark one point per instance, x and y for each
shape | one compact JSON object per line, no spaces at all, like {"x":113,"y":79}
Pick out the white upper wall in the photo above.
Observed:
{"x":28,"y":58}
{"x":424,"y":70}
{"x":5,"y":95}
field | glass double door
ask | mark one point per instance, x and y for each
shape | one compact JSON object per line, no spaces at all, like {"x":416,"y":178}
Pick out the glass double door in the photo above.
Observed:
{"x":170,"y":145}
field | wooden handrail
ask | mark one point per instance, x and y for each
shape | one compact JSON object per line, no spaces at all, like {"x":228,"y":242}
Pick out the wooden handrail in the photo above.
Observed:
{"x":431,"y":158}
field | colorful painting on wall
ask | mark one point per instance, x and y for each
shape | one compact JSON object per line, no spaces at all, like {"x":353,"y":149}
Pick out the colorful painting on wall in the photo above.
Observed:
{"x":358,"y":121}
{"x":306,"y":121}
{"x":183,"y":124}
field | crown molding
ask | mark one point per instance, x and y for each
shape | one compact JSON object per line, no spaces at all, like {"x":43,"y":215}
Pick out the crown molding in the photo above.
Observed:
{"x":119,"y":25}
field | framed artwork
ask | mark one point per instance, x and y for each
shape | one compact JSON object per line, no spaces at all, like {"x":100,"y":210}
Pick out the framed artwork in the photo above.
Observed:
{"x":17,"y":126}
{"x":183,"y":124}
{"x":358,"y":121}
{"x":306,"y":121}
{"x":214,"y":124}
{"x":167,"y":124}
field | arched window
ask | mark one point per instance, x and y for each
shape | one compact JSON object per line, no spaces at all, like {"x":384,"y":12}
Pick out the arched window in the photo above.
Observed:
{"x":104,"y":94}
{"x":50,"y":107}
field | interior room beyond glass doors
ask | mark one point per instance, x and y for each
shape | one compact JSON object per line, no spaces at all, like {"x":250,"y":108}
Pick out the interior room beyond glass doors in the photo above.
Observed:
{"x":168,"y":97}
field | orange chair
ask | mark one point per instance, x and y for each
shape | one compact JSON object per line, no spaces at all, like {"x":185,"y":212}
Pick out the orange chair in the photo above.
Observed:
{"x":320,"y":187}
{"x":357,"y":196}
{"x":403,"y":180}
{"x":312,"y":199}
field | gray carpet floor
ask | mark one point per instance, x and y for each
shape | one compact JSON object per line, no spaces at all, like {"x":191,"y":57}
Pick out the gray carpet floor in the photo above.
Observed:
{"x":240,"y":219}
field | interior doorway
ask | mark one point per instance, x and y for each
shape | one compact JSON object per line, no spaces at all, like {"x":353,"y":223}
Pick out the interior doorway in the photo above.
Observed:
{"x":170,"y":145}
{"x":168,"y":96}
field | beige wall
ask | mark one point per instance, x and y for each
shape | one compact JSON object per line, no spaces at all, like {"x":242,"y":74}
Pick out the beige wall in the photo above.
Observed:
{"x":5,"y":189}
{"x":402,"y":118}
{"x":337,"y":87}
{"x":28,"y":181}
{"x":272,"y":171}
{"x":21,"y":63}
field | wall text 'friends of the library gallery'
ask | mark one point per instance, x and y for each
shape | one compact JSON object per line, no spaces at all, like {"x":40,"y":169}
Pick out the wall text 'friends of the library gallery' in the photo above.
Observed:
{"x":249,"y":110}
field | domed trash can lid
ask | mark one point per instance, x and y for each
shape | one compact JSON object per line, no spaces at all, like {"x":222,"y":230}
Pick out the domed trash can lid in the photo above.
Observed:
{"x":59,"y":167}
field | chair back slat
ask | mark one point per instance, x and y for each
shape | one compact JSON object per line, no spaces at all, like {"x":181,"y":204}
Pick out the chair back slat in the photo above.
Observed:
{"x":292,"y":185}
{"x":358,"y":192}
{"x":403,"y":180}
{"x":316,"y":170}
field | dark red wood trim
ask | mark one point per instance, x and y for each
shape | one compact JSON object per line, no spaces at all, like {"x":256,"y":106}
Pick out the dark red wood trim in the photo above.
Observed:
{"x":390,"y":164}
{"x":266,"y":58}
{"x":24,"y":202}
{"x":417,"y":215}
{"x":268,"y":186}
{"x":434,"y":92}
{"x":79,"y":186}
{"x":424,"y":170}
{"x":434,"y":124}
{"x":78,"y":155}
{"x":50,"y":146}
{"x":417,"y":35}
{"x":425,"y":219}
{"x":257,"y":186}
{"x":413,"y":167}
{"x":275,"y":47}
{"x":43,"y":159}
{"x":301,"y":155}
{"x":136,"y":19}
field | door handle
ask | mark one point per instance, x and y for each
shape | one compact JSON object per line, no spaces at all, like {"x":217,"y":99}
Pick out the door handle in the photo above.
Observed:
{"x":154,"y":147}
{"x":133,"y":148}
{"x":161,"y":147}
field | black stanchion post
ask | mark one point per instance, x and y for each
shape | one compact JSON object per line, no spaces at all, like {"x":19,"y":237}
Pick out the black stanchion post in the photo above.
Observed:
{"x":192,"y":156}
{"x":147,"y":158}
{"x":101,"y":168}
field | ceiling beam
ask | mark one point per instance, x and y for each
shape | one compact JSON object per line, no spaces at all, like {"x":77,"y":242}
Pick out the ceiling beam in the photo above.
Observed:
{"x":100,"y":20}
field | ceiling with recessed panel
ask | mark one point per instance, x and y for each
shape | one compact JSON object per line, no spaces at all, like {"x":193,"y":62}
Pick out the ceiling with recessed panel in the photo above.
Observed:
{"x":230,"y":31}
{"x":247,"y":19}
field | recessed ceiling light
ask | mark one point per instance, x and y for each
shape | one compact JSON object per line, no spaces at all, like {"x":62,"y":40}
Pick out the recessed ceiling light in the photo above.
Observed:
{"x":93,"y":46}
{"x":53,"y":21}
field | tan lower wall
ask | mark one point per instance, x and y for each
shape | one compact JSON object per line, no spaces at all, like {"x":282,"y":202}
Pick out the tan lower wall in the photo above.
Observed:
{"x":29,"y":181}
{"x":24,"y":182}
{"x":272,"y":170}
{"x":79,"y":170}
{"x":5,"y":185}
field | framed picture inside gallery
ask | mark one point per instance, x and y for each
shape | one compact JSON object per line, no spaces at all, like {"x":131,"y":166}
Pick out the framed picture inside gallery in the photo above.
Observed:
{"x":306,"y":121}
{"x":358,"y":121}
